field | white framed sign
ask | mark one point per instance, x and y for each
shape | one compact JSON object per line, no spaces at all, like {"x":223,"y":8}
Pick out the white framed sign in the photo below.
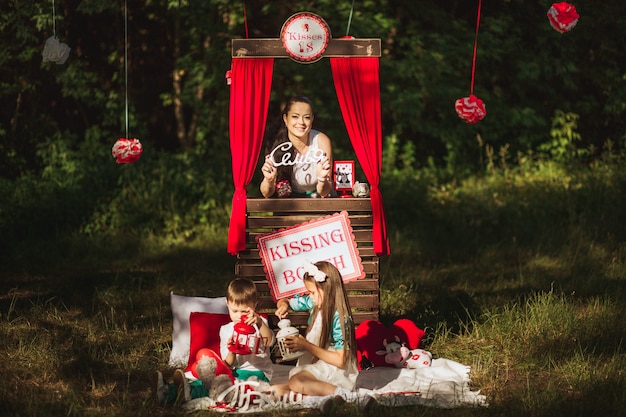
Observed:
{"x":328,"y":238}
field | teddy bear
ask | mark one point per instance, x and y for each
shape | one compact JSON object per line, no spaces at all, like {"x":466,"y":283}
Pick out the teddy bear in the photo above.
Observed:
{"x":224,"y":392}
{"x":214,"y":382}
{"x":213,"y":375}
{"x":397,"y":354}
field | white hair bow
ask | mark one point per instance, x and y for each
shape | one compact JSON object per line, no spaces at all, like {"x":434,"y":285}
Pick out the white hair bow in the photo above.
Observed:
{"x":314,"y":271}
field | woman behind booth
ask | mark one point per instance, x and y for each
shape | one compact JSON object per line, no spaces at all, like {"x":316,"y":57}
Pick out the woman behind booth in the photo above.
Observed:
{"x":298,"y":162}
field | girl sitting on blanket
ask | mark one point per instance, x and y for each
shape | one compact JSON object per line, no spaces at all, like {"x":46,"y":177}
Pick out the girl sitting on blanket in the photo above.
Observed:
{"x":328,"y":366}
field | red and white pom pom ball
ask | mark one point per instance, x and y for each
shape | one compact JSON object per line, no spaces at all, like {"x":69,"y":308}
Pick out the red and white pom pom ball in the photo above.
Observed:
{"x":127,"y":151}
{"x":471,"y":109}
{"x":283,"y":188}
{"x":563,"y":16}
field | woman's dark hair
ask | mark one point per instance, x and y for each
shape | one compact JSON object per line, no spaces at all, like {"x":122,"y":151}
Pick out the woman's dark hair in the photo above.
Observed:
{"x":278,"y":134}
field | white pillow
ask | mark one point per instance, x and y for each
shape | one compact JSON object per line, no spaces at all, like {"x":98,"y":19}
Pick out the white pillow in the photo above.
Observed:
{"x":182,"y":307}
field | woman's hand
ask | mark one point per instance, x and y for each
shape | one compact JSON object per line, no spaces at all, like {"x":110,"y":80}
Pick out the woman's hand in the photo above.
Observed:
{"x":269,"y":170}
{"x":323,"y":168}
{"x":268,"y":185}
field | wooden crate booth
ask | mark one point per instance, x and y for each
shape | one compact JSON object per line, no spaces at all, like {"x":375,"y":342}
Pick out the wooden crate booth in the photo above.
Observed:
{"x":267,"y":215}
{"x":355,"y":69}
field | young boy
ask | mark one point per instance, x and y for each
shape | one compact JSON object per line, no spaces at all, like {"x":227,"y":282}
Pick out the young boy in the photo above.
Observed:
{"x":241,"y":300}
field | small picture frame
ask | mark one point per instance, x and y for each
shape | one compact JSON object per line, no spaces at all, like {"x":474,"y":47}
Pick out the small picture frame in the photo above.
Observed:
{"x":343,"y":172}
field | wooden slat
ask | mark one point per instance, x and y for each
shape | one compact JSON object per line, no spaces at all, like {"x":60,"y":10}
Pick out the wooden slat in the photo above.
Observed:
{"x":273,"y":48}
{"x":357,"y":301}
{"x":300,"y":319}
{"x":364,"y":284}
{"x":360,"y":235}
{"x":278,"y":222}
{"x":256,"y":270}
{"x":294,"y":205}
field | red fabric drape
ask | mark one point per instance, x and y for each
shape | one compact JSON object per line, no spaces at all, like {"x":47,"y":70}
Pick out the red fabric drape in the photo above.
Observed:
{"x":357,"y":82}
{"x":251,"y":82}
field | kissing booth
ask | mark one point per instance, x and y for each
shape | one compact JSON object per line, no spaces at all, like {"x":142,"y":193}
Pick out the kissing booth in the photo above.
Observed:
{"x":355,"y":69}
{"x":357,"y":228}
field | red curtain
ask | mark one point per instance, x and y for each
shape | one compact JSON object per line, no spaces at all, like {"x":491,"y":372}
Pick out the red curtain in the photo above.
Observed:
{"x":251,"y":83}
{"x":357,"y":84}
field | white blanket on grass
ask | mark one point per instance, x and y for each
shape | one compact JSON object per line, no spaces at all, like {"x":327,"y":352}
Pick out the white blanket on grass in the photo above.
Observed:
{"x":445,"y":384}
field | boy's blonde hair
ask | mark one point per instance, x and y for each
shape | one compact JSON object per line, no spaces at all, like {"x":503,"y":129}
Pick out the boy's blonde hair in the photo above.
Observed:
{"x":242,"y":291}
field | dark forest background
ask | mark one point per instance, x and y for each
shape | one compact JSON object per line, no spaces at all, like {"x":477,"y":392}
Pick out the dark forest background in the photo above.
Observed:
{"x":549,"y":96}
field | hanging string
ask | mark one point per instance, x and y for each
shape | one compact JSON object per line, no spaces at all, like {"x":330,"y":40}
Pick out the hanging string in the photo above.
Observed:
{"x":245,"y":18}
{"x":54,"y":20}
{"x":126,"y":63}
{"x":350,"y":19}
{"x":475,"y":45}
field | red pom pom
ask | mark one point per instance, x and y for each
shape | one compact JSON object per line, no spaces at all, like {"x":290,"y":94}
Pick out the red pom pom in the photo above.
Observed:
{"x":563,"y":16}
{"x":127,"y":151}
{"x":283,"y":188}
{"x":471,"y":109}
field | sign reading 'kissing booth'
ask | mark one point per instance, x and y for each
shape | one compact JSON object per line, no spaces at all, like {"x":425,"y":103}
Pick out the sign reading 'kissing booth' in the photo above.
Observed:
{"x":326,"y":239}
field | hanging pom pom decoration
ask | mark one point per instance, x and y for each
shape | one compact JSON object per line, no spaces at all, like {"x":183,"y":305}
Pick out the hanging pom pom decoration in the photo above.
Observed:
{"x":127,"y":151}
{"x":54,"y":50}
{"x":563,"y":16}
{"x":472,"y":109}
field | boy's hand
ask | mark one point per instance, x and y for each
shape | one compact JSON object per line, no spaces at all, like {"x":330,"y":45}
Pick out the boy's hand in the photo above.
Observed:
{"x":253,"y":318}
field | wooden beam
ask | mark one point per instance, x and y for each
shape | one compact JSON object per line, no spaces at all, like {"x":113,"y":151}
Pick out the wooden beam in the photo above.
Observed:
{"x":273,"y":48}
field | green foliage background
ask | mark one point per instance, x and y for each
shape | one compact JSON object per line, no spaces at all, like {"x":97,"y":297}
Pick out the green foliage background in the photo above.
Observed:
{"x":549,"y":96}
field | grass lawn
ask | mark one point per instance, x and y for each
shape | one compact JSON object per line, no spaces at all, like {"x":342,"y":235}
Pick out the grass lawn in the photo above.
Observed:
{"x":520,"y":275}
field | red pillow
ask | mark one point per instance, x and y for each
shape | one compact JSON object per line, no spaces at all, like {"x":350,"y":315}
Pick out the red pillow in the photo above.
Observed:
{"x":370,"y":336}
{"x":204,"y":330}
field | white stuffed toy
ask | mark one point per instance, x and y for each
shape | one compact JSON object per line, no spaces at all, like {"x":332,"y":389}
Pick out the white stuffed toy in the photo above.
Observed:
{"x":214,"y":384}
{"x":397,"y":354}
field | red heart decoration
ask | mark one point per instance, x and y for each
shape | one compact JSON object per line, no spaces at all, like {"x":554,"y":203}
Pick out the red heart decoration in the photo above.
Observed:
{"x":370,"y":336}
{"x":221,"y":368}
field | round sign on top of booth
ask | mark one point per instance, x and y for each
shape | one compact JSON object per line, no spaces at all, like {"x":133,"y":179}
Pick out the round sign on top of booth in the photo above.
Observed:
{"x":305,"y":37}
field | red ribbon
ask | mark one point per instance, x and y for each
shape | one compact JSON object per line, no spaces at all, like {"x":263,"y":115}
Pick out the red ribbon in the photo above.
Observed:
{"x":472,"y":109}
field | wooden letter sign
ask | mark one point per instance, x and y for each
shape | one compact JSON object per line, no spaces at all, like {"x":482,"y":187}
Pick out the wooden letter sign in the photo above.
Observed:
{"x":328,"y":238}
